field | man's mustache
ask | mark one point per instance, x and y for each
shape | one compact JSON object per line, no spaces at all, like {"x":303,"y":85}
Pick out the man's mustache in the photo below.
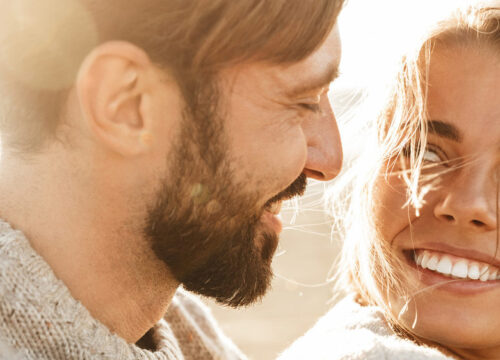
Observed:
{"x":297,"y":188}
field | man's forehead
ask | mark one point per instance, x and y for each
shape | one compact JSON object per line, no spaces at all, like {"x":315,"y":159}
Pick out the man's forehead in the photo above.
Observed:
{"x":315,"y":72}
{"x":291,"y":80}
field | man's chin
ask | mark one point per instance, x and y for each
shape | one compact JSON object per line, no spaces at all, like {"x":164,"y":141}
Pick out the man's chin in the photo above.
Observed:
{"x":236,"y":281}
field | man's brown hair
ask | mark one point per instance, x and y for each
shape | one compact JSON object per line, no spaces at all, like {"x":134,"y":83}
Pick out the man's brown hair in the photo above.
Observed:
{"x":193,"y":39}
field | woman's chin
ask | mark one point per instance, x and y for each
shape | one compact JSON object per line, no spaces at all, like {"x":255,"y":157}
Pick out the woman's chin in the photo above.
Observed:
{"x":455,"y":321}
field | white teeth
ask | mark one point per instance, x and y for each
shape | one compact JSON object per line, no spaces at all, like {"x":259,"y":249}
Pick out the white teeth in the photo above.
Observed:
{"x":460,"y":269}
{"x":484,"y":274}
{"x":456,"y":267}
{"x":433,"y":262}
{"x":444,"y":266}
{"x":419,"y":258}
{"x":493,"y":274}
{"x":425,"y":259}
{"x":474,"y":271}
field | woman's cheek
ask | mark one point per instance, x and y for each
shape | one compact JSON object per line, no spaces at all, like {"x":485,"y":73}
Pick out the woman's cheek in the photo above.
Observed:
{"x":390,"y":212}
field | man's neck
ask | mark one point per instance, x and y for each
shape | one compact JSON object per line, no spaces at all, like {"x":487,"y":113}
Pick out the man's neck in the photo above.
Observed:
{"x":84,"y":230}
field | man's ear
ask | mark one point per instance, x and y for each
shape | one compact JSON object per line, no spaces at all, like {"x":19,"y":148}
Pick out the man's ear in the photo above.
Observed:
{"x":114,"y":85}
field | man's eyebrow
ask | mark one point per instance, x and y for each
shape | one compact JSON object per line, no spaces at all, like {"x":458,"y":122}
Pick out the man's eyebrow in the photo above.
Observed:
{"x":444,"y":129}
{"x":316,"y":83}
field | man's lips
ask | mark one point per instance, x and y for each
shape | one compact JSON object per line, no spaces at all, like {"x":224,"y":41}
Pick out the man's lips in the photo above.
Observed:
{"x":273,"y":221}
{"x":270,"y":216}
{"x":274,"y":208}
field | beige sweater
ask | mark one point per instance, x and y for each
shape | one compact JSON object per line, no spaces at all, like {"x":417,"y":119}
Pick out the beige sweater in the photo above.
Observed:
{"x":350,"y":331}
{"x":39,"y":319}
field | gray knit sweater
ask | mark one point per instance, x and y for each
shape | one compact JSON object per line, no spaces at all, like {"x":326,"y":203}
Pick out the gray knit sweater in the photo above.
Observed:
{"x":350,"y":331}
{"x":39,"y":319}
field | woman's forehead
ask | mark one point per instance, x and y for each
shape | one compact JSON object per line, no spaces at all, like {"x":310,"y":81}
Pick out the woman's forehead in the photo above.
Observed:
{"x":463,"y":88}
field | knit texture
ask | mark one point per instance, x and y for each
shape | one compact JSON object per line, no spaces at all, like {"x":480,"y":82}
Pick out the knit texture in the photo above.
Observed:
{"x":350,"y":331}
{"x":39,"y":319}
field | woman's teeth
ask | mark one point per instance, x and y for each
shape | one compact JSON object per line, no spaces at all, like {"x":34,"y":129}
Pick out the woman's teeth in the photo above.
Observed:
{"x":455,"y":267}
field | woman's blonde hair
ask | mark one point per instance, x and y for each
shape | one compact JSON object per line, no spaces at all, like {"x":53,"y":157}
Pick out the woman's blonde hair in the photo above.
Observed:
{"x":366,"y":267}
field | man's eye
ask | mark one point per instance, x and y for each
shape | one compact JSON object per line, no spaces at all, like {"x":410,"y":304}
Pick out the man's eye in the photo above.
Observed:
{"x":310,"y":107}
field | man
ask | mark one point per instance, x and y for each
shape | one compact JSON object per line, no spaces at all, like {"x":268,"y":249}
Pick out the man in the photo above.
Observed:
{"x":147,"y":145}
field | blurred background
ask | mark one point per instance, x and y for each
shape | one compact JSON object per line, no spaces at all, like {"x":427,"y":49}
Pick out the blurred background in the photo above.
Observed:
{"x":374,"y":35}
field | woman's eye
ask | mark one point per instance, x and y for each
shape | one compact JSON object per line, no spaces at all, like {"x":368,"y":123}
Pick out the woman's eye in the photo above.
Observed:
{"x":432,"y":156}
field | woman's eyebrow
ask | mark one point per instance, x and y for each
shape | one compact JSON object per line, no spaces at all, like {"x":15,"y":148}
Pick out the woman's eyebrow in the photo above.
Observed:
{"x":444,"y":129}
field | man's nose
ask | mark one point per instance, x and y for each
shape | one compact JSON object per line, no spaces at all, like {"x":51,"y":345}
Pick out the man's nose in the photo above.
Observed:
{"x":324,"y":152}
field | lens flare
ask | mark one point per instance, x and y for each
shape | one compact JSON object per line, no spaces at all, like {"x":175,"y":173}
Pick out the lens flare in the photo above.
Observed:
{"x":44,"y":42}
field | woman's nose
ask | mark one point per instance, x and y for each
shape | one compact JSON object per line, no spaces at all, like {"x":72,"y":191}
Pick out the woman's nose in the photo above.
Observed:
{"x":324,"y":153}
{"x":471,"y":201}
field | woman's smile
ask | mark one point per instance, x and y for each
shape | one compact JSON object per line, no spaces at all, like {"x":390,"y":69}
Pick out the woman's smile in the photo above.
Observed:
{"x":447,"y":271}
{"x":455,"y":267}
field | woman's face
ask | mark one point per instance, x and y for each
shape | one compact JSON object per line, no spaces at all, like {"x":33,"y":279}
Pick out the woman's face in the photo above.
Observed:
{"x":450,"y":249}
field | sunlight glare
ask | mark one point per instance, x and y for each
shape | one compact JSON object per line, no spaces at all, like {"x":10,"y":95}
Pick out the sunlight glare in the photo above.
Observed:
{"x":43,"y":42}
{"x":376,"y":33}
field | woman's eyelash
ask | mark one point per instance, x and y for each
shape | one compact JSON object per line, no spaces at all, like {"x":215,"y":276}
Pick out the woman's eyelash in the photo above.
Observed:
{"x":430,"y":148}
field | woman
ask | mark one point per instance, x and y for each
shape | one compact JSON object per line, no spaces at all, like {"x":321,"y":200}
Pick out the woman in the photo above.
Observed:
{"x":421,"y":259}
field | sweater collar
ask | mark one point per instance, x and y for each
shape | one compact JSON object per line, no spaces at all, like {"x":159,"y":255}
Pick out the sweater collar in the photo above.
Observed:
{"x":38,"y":314}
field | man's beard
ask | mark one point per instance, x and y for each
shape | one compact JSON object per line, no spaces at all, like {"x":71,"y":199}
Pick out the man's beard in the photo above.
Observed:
{"x":205,"y":228}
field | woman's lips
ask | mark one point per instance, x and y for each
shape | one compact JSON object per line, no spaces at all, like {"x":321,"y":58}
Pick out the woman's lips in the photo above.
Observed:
{"x":448,"y":272}
{"x":455,"y":266}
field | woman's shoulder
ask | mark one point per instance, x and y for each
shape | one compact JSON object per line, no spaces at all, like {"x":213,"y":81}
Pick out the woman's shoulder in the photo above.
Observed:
{"x":350,"y":331}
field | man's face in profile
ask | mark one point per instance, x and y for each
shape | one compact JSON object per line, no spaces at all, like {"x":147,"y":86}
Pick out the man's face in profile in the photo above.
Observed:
{"x":214,"y":219}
